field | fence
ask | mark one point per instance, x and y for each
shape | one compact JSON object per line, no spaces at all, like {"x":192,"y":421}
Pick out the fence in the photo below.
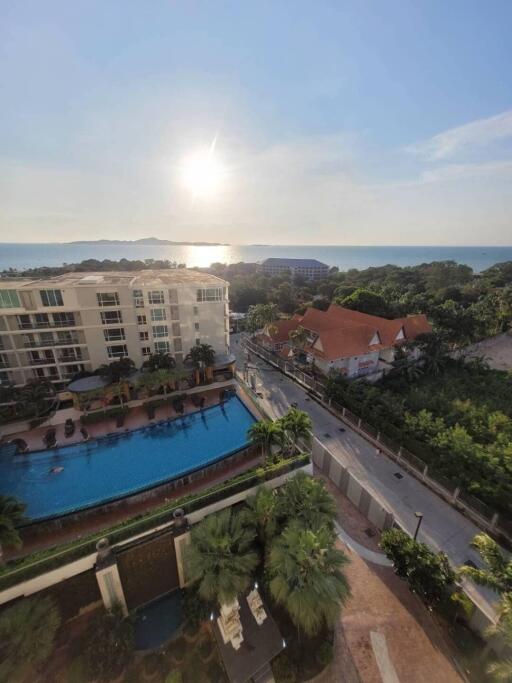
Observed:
{"x":476,"y":510}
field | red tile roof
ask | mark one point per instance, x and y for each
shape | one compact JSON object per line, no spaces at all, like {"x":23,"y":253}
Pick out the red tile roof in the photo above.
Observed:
{"x":343,"y":333}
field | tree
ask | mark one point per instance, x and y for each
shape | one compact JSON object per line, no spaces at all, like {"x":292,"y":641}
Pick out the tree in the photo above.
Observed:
{"x":307,"y":500}
{"x":220,"y":557}
{"x":38,"y":396}
{"x":159,"y":361}
{"x":306,"y":577}
{"x":202,"y":356}
{"x":266,"y":433}
{"x":297,"y":425}
{"x":109,"y":646}
{"x":260,"y":315}
{"x":501,"y":670}
{"x":261,"y":512}
{"x":366,"y":301}
{"x":117,"y":369}
{"x":27,"y":635}
{"x":428,"y":574}
{"x":11,"y":516}
{"x":298,"y":337}
{"x":497,"y":573}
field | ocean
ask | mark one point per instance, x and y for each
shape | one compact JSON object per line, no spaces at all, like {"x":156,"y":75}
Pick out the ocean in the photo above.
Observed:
{"x":20,"y":256}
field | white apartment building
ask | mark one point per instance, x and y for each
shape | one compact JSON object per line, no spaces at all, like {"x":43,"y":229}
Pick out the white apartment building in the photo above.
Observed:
{"x":57,"y":327}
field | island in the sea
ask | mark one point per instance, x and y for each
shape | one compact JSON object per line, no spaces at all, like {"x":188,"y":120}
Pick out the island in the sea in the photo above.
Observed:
{"x":149,"y":241}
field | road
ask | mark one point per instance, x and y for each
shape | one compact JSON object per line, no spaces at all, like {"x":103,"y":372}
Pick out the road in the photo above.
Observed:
{"x":442,"y":528}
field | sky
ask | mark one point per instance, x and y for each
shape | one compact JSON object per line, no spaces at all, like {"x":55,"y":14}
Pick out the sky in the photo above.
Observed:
{"x":358,"y":122}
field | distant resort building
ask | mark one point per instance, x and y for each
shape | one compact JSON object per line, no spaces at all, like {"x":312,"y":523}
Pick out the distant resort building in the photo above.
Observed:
{"x":311,"y":269}
{"x":341,"y":339}
{"x":57,"y":327}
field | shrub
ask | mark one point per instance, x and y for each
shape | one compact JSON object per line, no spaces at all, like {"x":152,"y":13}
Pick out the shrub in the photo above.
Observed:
{"x":205,"y":647}
{"x":98,"y":416}
{"x":195,"y":609}
{"x":174,"y":676}
{"x":109,"y":645}
{"x":284,"y":669}
{"x":325,"y":653}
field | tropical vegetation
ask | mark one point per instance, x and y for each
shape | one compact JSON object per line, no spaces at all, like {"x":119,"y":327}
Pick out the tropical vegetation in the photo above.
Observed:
{"x":284,"y":436}
{"x":12,"y":514}
{"x":27,"y":635}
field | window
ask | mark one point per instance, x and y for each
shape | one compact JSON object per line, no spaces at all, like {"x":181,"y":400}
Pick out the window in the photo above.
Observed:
{"x":146,"y":350}
{"x":158,"y":314}
{"x":162,"y":347}
{"x":114,"y":334}
{"x":63,"y":320}
{"x":142,"y":320}
{"x":143,"y":336}
{"x":138,"y":298}
{"x":198,"y":342}
{"x":24,"y":322}
{"x":108,"y":298}
{"x":196,"y":310}
{"x":196,"y":327}
{"x":51,"y":297}
{"x":175,"y":312}
{"x":156,"y":297}
{"x":160,"y":331}
{"x":111,"y":317}
{"x":117,"y":351}
{"x":9,"y":298}
{"x":66,"y":338}
{"x":210,"y":294}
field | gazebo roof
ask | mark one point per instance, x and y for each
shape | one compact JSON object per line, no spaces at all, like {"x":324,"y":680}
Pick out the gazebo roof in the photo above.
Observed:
{"x":85,"y":384}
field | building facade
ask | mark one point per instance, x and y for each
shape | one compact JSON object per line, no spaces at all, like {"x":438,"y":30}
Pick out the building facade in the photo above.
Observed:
{"x":352,"y":343}
{"x":57,"y":327}
{"x":310,"y":269}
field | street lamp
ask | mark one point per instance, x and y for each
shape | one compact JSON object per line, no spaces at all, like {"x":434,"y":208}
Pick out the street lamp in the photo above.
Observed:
{"x":419,"y":517}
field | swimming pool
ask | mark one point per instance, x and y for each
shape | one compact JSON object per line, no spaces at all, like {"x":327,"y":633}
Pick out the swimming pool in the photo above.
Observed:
{"x":106,"y":469}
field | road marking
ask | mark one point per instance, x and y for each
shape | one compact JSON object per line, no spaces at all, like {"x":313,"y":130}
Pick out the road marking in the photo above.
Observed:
{"x":380,"y":650}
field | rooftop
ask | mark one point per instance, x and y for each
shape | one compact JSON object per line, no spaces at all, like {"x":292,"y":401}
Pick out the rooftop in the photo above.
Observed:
{"x":134,"y":279}
{"x":294,"y":262}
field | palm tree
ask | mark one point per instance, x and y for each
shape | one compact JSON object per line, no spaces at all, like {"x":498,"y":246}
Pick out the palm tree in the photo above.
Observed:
{"x":501,"y":670}
{"x":159,"y":361}
{"x":306,"y":576}
{"x":266,"y":434}
{"x":27,"y":635}
{"x":117,"y":369}
{"x":220,"y":557}
{"x":298,"y":337}
{"x":11,"y":516}
{"x":498,"y":569}
{"x":38,"y":396}
{"x":307,"y":500}
{"x":297,"y":425}
{"x":261,"y":512}
{"x":202,"y":356}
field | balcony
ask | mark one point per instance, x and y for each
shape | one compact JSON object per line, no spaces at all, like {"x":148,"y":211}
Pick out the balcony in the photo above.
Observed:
{"x":4,"y":364}
{"x":41,"y":361}
{"x":72,"y":358}
{"x":33,"y":325}
{"x":27,"y":344}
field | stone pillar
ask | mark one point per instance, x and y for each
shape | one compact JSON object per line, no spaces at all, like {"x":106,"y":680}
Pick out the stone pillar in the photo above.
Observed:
{"x":107,"y":576}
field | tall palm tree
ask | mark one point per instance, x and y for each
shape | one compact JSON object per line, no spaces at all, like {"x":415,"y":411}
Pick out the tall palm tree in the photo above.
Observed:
{"x":297,"y":425}
{"x":38,"y":396}
{"x":266,"y":434}
{"x":11,"y":515}
{"x":501,"y":670}
{"x":159,"y":361}
{"x":306,"y":576}
{"x":27,"y":635}
{"x":261,"y":512}
{"x":498,"y":569}
{"x":202,"y":356}
{"x":307,"y":500}
{"x":220,"y":557}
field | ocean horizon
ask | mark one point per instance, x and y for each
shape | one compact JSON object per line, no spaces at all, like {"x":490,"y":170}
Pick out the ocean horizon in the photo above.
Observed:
{"x":21,"y":256}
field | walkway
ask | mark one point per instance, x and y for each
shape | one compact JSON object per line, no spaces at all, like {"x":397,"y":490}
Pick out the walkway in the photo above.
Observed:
{"x":367,"y":554}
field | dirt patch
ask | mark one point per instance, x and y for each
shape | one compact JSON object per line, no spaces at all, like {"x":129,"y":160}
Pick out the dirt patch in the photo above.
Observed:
{"x":497,"y":351}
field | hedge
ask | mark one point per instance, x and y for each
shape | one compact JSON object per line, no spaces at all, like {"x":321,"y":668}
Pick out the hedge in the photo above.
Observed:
{"x":52,"y":558}
{"x":99,"y":415}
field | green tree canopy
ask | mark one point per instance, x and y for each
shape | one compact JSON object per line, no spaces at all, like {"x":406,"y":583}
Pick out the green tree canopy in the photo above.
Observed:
{"x":306,"y":576}
{"x":307,"y":500}
{"x":220,"y":557}
{"x":366,"y":301}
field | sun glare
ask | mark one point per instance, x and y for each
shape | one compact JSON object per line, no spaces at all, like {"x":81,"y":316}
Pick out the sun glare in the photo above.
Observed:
{"x":203,"y":174}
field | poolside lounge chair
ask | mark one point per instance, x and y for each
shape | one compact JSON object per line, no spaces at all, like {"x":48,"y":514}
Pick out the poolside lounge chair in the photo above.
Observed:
{"x":120,"y":420}
{"x":69,"y":428}
{"x":50,"y":439}
{"x":21,"y":445}
{"x":84,"y":433}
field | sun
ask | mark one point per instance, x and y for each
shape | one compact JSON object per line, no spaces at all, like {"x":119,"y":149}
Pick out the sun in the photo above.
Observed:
{"x":203,"y":174}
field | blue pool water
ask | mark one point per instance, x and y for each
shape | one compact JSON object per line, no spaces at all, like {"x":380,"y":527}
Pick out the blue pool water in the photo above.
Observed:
{"x":157,"y":622}
{"x":105,"y":469}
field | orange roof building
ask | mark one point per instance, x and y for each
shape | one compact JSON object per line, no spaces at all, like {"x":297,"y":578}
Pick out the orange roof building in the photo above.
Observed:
{"x":349,"y":341}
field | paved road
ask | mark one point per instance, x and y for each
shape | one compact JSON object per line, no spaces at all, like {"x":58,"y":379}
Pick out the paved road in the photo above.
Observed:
{"x":442,"y":528}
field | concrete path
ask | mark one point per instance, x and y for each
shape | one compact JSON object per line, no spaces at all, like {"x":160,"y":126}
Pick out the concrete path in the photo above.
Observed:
{"x":367,"y":554}
{"x":380,"y":650}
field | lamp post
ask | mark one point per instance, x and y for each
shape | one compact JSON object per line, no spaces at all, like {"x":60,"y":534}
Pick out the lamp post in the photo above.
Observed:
{"x":419,"y":517}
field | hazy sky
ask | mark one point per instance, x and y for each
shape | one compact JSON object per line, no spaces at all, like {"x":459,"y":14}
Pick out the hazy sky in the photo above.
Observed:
{"x":362,"y":122}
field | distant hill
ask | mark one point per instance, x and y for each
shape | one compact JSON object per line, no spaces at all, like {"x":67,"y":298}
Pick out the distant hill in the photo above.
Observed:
{"x":149,"y":241}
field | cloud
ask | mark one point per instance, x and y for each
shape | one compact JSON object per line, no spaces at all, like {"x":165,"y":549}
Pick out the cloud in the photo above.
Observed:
{"x":468,"y":137}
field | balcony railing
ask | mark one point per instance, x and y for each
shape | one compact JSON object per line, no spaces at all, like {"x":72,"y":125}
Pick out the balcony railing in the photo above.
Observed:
{"x":46,"y":326}
{"x":41,"y":361}
{"x":77,"y":358}
{"x":50,"y":342}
